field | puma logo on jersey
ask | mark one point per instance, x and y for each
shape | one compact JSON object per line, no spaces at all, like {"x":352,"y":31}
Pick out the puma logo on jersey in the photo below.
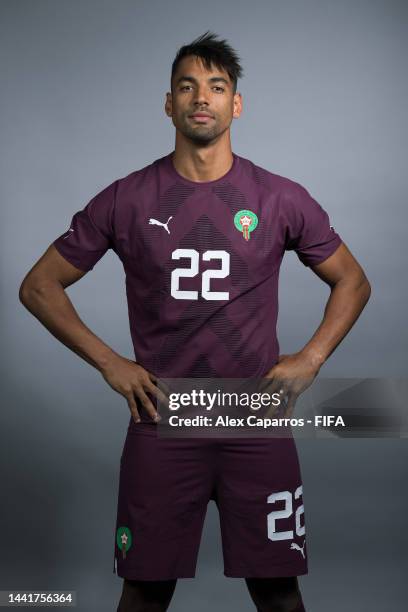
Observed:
{"x":155,"y":222}
{"x":295,"y":546}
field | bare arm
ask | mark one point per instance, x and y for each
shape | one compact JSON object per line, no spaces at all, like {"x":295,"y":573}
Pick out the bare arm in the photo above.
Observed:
{"x":350,"y":291}
{"x":43,"y":293}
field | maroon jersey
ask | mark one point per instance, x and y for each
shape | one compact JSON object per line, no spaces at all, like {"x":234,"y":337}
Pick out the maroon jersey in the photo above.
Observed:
{"x":201,"y":261}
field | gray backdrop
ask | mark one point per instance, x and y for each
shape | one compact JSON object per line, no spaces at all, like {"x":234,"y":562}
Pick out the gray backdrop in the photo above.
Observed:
{"x":83,"y":89}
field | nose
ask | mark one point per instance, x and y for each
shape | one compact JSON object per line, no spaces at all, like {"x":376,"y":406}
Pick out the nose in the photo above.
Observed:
{"x":201,"y":95}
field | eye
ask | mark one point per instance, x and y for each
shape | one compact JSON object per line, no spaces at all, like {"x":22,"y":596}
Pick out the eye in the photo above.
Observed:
{"x":184,"y":87}
{"x":219,"y":88}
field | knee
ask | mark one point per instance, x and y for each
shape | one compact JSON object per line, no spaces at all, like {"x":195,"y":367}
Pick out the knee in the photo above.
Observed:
{"x":275,"y":595}
{"x":140,"y":596}
{"x":283,"y":603}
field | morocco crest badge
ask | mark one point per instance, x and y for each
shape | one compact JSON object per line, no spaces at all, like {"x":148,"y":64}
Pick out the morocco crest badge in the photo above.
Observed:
{"x":124,"y":540}
{"x":245,"y":221}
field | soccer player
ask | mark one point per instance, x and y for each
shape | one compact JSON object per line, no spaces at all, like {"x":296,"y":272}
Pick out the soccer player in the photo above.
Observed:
{"x":201,"y":233}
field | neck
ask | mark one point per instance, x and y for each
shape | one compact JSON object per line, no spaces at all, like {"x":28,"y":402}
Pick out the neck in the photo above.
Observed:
{"x":202,"y":164}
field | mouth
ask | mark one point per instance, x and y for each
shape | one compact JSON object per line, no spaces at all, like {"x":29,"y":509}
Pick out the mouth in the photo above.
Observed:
{"x":201,"y":117}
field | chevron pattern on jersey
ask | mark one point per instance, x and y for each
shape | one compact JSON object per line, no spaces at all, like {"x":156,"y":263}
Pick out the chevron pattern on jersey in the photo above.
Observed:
{"x":173,"y":198}
{"x":204,"y":235}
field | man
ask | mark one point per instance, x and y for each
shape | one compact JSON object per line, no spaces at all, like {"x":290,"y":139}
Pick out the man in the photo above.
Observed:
{"x":201,"y":233}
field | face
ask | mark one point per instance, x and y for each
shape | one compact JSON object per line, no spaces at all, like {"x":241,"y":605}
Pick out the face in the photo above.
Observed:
{"x":198,"y":90}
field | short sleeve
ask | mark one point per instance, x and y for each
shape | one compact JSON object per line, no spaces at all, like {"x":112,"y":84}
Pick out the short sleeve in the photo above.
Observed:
{"x":90,"y":233}
{"x":308,"y":229}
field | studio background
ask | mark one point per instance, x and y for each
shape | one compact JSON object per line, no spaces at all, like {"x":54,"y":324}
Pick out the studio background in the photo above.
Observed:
{"x":324,"y":103}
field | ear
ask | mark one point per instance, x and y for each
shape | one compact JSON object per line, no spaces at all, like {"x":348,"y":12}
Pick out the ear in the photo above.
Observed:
{"x":237,"y":105}
{"x":168,"y":106}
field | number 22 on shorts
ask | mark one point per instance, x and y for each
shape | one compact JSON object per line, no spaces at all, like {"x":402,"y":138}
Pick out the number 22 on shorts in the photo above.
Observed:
{"x":286,"y":512}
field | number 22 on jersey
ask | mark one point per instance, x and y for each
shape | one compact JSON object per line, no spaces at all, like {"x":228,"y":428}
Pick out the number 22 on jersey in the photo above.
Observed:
{"x":206,"y":276}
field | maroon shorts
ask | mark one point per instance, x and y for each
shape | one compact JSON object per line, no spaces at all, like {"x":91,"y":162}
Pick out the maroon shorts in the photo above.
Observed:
{"x":166,"y":483}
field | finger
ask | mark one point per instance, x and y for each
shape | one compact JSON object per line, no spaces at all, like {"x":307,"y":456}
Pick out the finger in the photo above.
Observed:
{"x":159,"y":382}
{"x":157,"y":392}
{"x":147,"y":404}
{"x":163,"y":386}
{"x":266,"y":381}
{"x":276,"y":389}
{"x":271,"y":412}
{"x":263,"y":384}
{"x":271,"y":372}
{"x":274,"y":406}
{"x":277,"y":385}
{"x":133,"y":407}
{"x":152,"y":376}
{"x":290,"y":406}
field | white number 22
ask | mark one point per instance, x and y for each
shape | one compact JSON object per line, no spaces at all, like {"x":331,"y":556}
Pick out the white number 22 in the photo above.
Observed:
{"x":206,"y":276}
{"x":285,"y":496}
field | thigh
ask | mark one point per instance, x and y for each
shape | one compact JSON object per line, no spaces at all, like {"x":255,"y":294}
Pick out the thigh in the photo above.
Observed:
{"x":259,"y":497}
{"x":275,"y":594}
{"x":164,"y":488}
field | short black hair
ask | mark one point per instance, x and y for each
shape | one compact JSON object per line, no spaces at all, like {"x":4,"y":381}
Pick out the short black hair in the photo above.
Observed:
{"x":212,"y":51}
